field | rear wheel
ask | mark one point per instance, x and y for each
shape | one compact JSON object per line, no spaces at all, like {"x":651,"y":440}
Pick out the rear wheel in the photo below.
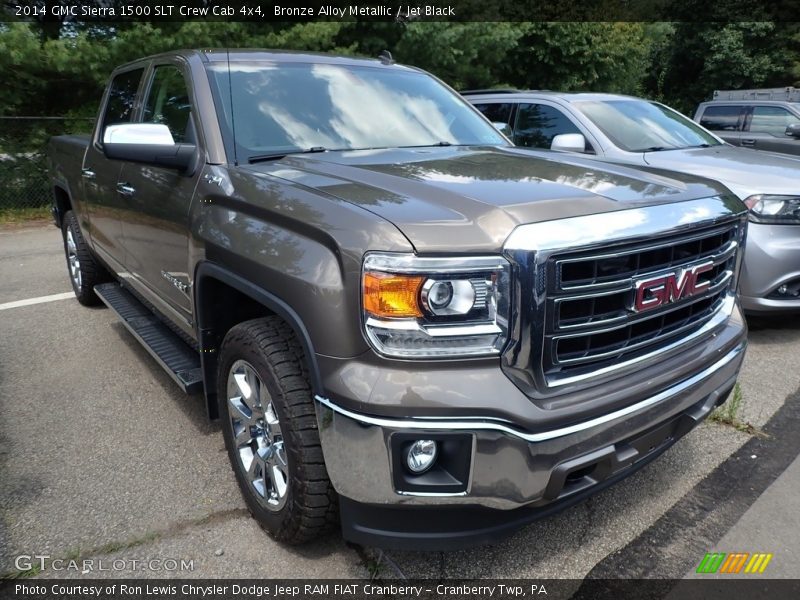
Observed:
{"x":84,"y":270}
{"x":270,"y":430}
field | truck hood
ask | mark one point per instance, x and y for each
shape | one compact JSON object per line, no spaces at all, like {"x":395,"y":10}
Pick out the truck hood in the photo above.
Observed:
{"x":470,"y":199}
{"x":743,"y":170}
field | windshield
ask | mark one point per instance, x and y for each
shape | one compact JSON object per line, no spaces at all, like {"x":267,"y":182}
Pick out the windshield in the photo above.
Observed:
{"x":300,"y":107}
{"x":641,"y":126}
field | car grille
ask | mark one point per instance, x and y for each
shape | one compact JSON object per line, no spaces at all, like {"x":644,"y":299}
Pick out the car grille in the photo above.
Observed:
{"x":590,"y":322}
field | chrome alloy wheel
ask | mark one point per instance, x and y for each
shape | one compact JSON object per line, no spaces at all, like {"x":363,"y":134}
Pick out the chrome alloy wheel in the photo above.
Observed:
{"x":257,"y":436}
{"x":73,"y":260}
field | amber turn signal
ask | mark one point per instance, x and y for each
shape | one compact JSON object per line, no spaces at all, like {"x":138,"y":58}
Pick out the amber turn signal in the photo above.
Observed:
{"x":392,"y":295}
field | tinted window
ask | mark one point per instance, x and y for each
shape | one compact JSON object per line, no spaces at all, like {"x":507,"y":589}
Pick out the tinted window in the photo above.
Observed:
{"x":289,"y":107}
{"x":771,"y":119}
{"x":538,"y":124}
{"x":642,"y":126}
{"x":721,"y":118}
{"x":168,"y":103}
{"x":496,"y":113}
{"x":122,"y":98}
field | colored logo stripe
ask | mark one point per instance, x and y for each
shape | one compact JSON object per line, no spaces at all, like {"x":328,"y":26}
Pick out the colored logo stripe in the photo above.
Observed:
{"x":732,"y":563}
{"x":758,"y":563}
{"x":711,"y":562}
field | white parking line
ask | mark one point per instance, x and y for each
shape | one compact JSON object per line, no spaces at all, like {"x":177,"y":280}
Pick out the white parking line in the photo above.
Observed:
{"x":39,"y":300}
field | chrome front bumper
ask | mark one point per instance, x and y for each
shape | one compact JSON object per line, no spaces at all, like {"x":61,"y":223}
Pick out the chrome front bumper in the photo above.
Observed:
{"x":511,"y":468}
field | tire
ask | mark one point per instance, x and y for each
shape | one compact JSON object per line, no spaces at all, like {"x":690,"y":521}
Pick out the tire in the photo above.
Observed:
{"x":83,"y":269}
{"x":270,"y":429}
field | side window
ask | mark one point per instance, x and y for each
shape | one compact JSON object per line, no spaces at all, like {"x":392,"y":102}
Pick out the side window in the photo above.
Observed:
{"x":496,"y":113}
{"x":168,"y":103}
{"x":538,"y":124}
{"x":721,"y":118}
{"x":122,"y":98}
{"x":771,"y":119}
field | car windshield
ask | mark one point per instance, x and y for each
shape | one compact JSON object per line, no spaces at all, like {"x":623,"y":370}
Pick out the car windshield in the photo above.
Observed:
{"x":279,"y":108}
{"x":642,"y":126}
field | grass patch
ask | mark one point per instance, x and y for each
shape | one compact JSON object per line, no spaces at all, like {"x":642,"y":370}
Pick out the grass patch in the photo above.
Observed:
{"x":78,"y":553}
{"x":13,"y":216}
{"x":32,"y":572}
{"x":729,"y":414}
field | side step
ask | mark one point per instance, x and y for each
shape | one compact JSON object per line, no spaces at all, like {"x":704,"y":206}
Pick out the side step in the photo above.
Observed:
{"x":179,"y":360}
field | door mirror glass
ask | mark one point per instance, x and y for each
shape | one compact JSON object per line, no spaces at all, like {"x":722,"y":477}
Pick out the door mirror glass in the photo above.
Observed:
{"x":569,"y":142}
{"x":793,"y":130}
{"x":138,"y":133}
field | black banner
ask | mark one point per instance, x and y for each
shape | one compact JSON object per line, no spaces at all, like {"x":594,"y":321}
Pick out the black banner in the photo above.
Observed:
{"x":101,"y":11}
{"x":749,"y":587}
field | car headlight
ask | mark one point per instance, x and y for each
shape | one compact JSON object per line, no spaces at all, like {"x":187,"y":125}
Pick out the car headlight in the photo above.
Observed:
{"x":425,"y":307}
{"x":774,"y":209}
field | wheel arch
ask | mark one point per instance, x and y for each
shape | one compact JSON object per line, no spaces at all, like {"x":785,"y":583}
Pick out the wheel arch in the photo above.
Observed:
{"x":215,"y":285}
{"x":62,"y":203}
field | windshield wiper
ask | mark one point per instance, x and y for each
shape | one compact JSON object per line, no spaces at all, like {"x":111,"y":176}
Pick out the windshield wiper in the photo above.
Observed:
{"x":700,"y":146}
{"x":654,"y":149}
{"x":278,"y":155}
{"x":436,"y":145}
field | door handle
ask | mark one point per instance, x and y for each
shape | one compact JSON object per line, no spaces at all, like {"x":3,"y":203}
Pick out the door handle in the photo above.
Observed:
{"x":88,"y":174}
{"x":748,"y":142}
{"x":126,"y":189}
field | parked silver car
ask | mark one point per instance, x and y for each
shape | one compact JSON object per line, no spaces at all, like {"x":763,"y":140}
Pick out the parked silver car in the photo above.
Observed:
{"x":767,"y":119}
{"x":640,"y":132}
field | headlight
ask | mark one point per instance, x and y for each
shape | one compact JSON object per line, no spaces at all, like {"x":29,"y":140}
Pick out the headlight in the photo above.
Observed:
{"x":774,"y":209}
{"x":435,"y":307}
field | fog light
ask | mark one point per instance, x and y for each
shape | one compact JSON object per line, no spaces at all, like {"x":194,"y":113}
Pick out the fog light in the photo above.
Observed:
{"x":421,"y":455}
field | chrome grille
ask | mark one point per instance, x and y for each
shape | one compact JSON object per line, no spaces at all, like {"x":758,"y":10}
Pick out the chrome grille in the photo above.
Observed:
{"x":590,"y":322}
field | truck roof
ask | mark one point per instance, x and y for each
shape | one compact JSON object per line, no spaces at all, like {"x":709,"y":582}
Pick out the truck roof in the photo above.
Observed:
{"x":260,"y":54}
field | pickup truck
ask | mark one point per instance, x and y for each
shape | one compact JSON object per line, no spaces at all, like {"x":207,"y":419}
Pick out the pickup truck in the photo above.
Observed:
{"x":405,"y":324}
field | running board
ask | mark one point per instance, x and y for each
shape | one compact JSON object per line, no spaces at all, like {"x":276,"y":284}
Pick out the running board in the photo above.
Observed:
{"x":180,"y":361}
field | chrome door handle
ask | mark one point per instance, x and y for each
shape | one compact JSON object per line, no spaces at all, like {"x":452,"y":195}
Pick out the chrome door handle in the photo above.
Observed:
{"x":126,"y":189}
{"x":748,"y":142}
{"x":88,"y":173}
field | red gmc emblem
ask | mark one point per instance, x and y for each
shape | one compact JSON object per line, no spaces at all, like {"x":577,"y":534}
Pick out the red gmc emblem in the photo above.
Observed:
{"x":652,"y":293}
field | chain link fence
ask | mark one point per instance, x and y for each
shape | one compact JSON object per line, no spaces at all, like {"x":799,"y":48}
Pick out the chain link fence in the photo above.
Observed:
{"x":24,"y":181}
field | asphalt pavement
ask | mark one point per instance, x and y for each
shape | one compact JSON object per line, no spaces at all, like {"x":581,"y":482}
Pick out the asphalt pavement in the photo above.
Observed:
{"x":102,"y":457}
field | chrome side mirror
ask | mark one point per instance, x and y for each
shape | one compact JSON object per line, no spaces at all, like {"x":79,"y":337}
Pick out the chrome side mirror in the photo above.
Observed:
{"x":503,"y":128}
{"x":149,"y":143}
{"x":138,"y":133}
{"x":569,"y":142}
{"x":793,"y":130}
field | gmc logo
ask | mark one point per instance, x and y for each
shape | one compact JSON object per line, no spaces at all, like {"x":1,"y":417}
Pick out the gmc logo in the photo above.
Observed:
{"x":652,"y":293}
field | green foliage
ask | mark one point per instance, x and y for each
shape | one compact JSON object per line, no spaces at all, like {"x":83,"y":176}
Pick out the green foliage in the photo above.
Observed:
{"x":465,"y":55}
{"x":579,"y":56}
{"x":698,"y":58}
{"x":62,"y":71}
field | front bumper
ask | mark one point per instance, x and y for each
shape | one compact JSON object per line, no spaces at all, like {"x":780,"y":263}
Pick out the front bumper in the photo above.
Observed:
{"x":514,"y":476}
{"x":771,"y":259}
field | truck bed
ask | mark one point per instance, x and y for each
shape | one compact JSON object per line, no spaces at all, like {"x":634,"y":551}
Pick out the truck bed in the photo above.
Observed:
{"x":66,"y":158}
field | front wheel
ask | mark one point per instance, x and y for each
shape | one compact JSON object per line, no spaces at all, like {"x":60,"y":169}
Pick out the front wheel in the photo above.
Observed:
{"x":270,"y":431}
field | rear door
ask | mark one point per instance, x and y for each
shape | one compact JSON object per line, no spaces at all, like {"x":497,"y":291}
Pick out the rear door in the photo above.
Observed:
{"x":726,"y":120}
{"x":106,"y":208}
{"x":766,"y":130}
{"x":157,"y":232}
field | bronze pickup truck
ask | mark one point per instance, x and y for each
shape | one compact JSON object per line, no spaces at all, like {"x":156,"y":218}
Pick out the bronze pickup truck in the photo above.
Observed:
{"x":404,"y":323}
